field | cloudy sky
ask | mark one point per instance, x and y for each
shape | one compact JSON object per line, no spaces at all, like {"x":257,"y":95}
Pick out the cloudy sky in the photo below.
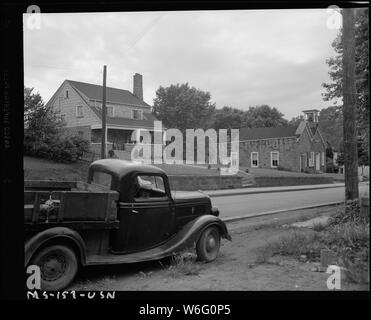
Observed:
{"x":243,"y":58}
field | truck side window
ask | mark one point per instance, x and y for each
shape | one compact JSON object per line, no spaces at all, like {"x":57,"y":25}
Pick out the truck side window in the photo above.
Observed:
{"x":146,"y":187}
{"x":102,"y":178}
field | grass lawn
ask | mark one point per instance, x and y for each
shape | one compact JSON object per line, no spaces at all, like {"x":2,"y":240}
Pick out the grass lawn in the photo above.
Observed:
{"x":41,"y":169}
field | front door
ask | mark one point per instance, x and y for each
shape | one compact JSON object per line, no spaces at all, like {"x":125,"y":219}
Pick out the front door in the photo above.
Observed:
{"x":302,"y":163}
{"x":318,"y":161}
{"x":149,"y":218}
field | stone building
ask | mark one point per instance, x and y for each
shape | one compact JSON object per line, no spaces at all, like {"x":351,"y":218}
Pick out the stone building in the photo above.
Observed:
{"x":296,"y":148}
{"x":80,"y":104}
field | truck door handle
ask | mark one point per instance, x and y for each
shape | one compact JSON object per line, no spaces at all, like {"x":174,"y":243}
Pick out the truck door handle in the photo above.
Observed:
{"x":134,"y":211}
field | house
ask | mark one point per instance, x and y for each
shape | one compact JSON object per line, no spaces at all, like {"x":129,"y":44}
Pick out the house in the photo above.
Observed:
{"x":80,"y":105}
{"x":297,"y":148}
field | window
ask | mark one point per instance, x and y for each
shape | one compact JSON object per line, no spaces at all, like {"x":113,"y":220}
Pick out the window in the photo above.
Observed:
{"x":274,"y":159}
{"x":102,"y":178}
{"x":66,"y":96}
{"x":63,"y":117}
{"x":110,"y":111}
{"x":322,"y":158}
{"x":311,"y":159}
{"x":79,"y":112}
{"x":254,"y":159}
{"x":148,"y":187}
{"x":137,"y":114}
{"x":81,"y":134}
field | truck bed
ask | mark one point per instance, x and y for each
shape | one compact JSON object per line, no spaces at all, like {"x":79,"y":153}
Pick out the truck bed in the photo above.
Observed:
{"x":83,"y":205}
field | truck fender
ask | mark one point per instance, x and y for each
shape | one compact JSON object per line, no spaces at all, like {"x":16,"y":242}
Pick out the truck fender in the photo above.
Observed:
{"x":191,"y":232}
{"x":202,"y":224}
{"x":55,"y":234}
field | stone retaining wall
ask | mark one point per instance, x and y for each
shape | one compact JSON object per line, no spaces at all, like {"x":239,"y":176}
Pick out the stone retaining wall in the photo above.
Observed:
{"x":192,"y":182}
{"x":290,"y":181}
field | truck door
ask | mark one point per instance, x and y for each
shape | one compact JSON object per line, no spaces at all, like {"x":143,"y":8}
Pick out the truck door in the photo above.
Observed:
{"x":149,"y":218}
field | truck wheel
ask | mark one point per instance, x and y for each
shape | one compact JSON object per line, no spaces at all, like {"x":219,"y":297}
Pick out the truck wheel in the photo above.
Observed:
{"x":208,"y":245}
{"x":58,"y":266}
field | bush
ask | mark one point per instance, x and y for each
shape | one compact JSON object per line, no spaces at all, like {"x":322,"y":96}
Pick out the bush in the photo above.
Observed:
{"x":67,"y":149}
{"x":348,"y":235}
{"x":307,"y":170}
{"x":330,"y":167}
{"x":184,"y":264}
{"x":350,"y":213}
{"x":281,"y":168}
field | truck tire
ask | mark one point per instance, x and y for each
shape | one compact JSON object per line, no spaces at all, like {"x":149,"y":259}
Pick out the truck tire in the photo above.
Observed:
{"x":208,"y":245}
{"x":58,"y":266}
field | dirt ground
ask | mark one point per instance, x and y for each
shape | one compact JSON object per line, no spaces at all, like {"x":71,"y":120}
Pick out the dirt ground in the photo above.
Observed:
{"x":234,"y":269}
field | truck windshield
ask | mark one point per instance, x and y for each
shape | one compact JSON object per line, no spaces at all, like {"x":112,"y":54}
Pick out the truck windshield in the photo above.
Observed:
{"x":102,"y":178}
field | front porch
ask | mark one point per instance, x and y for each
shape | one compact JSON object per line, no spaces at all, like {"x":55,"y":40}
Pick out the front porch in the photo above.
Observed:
{"x":119,"y":140}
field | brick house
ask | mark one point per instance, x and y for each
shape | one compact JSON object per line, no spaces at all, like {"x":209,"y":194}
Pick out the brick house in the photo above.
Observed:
{"x":80,"y":104}
{"x":297,"y":148}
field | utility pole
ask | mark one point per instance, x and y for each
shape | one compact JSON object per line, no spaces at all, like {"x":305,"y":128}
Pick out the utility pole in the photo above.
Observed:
{"x":349,"y":106}
{"x":104,"y":113}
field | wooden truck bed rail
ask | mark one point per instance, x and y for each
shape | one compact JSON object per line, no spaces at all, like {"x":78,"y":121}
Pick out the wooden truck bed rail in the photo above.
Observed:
{"x":70,"y":203}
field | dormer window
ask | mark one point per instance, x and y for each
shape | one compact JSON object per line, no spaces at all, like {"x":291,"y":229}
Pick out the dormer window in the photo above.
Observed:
{"x":137,"y":114}
{"x":110,"y":111}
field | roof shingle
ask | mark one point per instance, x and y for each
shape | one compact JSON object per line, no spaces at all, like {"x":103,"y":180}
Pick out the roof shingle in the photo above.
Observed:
{"x":95,"y":92}
{"x":267,"y":132}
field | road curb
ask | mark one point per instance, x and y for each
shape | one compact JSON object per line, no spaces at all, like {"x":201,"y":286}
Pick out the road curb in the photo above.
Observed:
{"x":237,"y":193}
{"x":238,"y":218}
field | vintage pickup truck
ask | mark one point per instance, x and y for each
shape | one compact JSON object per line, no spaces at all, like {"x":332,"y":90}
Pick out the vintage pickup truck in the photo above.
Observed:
{"x":125,"y":213}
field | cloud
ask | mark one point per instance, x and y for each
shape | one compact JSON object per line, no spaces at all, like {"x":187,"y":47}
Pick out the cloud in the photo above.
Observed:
{"x":242,"y":58}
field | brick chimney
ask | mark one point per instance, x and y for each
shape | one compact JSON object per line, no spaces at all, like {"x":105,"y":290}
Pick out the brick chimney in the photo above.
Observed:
{"x":138,"y":86}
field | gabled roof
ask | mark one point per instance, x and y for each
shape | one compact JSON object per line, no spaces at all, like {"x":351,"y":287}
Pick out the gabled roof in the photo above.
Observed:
{"x":266,"y":133}
{"x":95,"y":92}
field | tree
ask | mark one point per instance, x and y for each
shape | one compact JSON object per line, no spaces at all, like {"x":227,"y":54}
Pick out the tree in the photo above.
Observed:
{"x":331,"y":123}
{"x":229,"y":118}
{"x":32,"y":102}
{"x":43,"y":135}
{"x":42,"y":124}
{"x":264,"y":116}
{"x":349,"y":106}
{"x":334,"y":89}
{"x":183,"y":107}
{"x":254,"y":117}
{"x":295,"y":121}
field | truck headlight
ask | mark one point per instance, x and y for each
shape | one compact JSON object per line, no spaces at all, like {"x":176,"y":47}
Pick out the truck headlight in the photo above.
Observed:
{"x":215,"y":211}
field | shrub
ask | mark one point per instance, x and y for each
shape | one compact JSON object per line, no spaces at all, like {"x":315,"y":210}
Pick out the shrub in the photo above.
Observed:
{"x":330,"y":167}
{"x":184,"y":264}
{"x":349,"y":213}
{"x":350,"y":241}
{"x":67,"y":149}
{"x":294,"y":244}
{"x":281,"y":168}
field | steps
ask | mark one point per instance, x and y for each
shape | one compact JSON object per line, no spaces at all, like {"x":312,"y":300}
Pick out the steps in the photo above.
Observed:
{"x":247,"y":179}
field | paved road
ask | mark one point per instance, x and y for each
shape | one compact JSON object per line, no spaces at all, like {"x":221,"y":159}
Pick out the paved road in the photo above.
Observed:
{"x":249,"y":204}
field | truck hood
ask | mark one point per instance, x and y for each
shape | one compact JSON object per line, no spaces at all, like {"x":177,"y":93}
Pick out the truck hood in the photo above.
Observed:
{"x":190,"y":196}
